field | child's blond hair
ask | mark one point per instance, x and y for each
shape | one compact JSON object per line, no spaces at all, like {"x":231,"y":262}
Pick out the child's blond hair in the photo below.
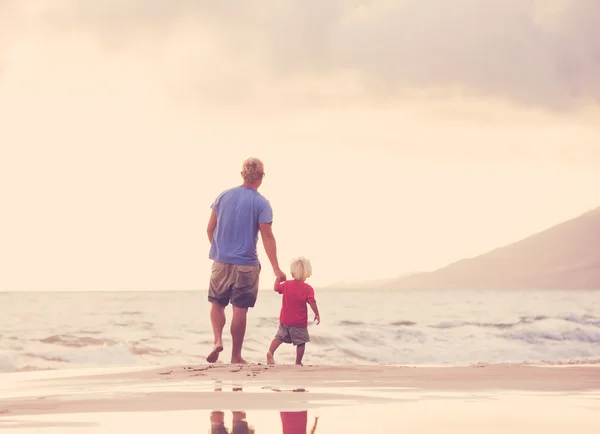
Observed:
{"x":301,"y":269}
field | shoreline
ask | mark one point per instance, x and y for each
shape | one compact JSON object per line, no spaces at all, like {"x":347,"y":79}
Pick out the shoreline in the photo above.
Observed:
{"x":189,"y":377}
{"x":349,"y":370}
{"x":505,"y":377}
{"x":584,"y":363}
{"x":356,"y":399}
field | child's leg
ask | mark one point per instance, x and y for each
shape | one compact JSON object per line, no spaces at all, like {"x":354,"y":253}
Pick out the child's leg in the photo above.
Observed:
{"x":299,"y":353}
{"x":274,"y":345}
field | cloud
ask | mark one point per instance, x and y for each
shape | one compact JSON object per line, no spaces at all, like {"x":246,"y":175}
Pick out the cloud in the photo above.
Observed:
{"x":9,"y":15}
{"x":491,"y":47}
{"x":509,"y":49}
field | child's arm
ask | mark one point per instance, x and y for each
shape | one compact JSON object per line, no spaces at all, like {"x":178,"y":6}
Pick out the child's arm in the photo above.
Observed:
{"x":310,"y":299}
{"x":315,"y":309}
{"x":314,"y":428}
{"x":278,"y":287}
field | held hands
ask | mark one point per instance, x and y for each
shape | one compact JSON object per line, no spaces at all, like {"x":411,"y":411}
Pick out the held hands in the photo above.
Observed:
{"x":280,"y":275}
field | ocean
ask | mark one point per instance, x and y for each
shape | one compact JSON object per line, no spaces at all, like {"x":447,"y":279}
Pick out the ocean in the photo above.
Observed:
{"x":61,"y":330}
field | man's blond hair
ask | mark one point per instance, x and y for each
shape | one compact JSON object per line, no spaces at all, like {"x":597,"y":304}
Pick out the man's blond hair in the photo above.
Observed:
{"x":253,"y":170}
{"x":301,"y":269}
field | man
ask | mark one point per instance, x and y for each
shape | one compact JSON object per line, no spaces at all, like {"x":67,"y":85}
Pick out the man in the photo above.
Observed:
{"x":238,"y":214}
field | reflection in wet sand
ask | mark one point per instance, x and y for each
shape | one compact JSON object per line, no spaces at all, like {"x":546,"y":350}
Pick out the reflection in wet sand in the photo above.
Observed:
{"x":295,"y":422}
{"x":239,"y":424}
{"x":292,"y":422}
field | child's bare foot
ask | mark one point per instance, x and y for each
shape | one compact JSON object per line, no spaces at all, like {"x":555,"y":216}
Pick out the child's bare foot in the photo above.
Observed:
{"x":214,"y":354}
{"x":270,"y":358}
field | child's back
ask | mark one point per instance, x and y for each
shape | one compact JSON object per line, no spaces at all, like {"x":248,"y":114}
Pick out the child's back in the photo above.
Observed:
{"x":296,"y":295}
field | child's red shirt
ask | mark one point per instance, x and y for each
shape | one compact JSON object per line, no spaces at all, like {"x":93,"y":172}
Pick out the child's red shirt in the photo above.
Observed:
{"x":296,"y":294}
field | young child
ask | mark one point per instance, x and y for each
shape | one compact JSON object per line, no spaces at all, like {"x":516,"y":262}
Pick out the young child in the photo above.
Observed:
{"x":293,"y":319}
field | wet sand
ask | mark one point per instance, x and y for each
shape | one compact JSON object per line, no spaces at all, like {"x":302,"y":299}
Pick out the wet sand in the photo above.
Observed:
{"x":345,"y":399}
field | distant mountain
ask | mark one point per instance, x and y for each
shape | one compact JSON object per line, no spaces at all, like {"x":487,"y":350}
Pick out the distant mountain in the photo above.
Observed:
{"x":344,"y":284}
{"x":566,"y":256}
{"x":366,"y":284}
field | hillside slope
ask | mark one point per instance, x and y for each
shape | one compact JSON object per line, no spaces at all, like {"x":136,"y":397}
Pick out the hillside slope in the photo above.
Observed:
{"x":566,"y":256}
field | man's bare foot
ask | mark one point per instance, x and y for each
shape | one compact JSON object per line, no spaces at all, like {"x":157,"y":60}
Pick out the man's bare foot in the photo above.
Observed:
{"x":270,"y":358}
{"x":214,"y":354}
{"x":239,"y":361}
{"x":299,"y":364}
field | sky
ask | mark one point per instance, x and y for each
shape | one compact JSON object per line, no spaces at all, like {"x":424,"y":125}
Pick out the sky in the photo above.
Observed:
{"x":397,"y":136}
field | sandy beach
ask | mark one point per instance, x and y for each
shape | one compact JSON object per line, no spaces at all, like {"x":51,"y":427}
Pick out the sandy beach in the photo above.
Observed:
{"x":349,"y":399}
{"x":398,"y":195}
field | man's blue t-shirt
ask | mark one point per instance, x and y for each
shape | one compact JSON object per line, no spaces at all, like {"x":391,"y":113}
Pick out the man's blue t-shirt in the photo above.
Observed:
{"x":239,"y":211}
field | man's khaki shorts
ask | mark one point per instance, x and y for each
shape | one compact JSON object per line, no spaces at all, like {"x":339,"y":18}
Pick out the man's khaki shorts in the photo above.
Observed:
{"x":292,"y":335}
{"x":235,"y":283}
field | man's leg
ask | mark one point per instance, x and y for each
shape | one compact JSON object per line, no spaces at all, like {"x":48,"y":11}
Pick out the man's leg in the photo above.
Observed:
{"x":219,"y":293}
{"x":218,"y":296}
{"x":243,"y":297}
{"x":217,"y":422}
{"x":217,"y":319}
{"x":238,"y":331}
{"x":239,"y":424}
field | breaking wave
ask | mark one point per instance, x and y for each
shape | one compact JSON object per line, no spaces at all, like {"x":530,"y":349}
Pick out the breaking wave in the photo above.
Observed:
{"x":358,"y":328}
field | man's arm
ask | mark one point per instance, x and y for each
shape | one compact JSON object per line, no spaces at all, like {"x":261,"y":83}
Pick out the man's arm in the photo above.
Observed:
{"x":212,"y":224}
{"x":268,"y":239}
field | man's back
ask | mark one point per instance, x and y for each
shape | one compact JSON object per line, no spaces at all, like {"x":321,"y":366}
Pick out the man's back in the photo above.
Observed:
{"x":239,"y":211}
